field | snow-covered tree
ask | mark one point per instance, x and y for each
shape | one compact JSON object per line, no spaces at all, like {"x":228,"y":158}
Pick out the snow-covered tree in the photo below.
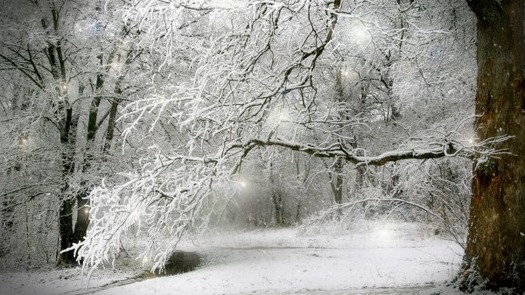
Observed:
{"x":495,"y":252}
{"x":72,"y":71}
{"x":258,"y":81}
{"x":209,"y":93}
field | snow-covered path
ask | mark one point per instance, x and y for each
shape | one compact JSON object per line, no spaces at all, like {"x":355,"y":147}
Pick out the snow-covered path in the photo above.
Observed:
{"x":292,"y":270}
{"x":395,"y":259}
{"x":382,"y":259}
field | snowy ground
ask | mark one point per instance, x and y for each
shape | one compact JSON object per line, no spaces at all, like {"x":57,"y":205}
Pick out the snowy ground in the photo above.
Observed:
{"x":373,"y":258}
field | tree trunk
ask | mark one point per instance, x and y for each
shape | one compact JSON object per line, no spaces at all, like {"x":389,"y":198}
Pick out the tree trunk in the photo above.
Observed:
{"x":82,"y":221}
{"x":336,"y":176}
{"x":496,"y":242}
{"x":65,"y":216}
{"x":337,"y":184}
{"x":65,"y":221}
{"x":277,"y":199}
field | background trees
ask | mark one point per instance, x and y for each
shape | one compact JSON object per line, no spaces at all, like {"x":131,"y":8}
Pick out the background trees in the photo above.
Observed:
{"x":264,"y":85}
{"x":261,"y":113}
{"x":70,"y":76}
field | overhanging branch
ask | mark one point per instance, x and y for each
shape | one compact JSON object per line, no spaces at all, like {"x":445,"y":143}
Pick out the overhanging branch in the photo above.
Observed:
{"x":336,"y":150}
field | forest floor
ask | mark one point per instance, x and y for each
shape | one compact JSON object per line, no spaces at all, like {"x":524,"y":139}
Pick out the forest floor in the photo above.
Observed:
{"x":370,"y":258}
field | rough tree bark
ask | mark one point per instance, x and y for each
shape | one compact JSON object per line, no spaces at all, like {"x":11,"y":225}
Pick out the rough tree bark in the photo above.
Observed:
{"x":495,"y":250}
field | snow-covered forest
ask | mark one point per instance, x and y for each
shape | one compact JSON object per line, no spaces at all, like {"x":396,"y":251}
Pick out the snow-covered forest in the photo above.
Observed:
{"x":134,"y":129}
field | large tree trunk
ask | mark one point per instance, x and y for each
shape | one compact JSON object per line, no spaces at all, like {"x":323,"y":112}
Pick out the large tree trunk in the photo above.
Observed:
{"x":496,"y":243}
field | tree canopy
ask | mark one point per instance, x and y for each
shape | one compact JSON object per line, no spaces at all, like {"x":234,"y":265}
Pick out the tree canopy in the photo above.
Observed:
{"x":154,"y":116}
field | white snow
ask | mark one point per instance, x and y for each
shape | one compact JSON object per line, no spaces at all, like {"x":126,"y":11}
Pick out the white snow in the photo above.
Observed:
{"x":378,"y":258}
{"x":57,"y":281}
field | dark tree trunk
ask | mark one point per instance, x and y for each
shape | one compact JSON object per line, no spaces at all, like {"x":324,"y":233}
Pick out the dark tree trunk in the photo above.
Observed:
{"x":65,"y":221}
{"x":337,"y":184}
{"x":113,"y":115}
{"x":277,"y":200}
{"x":65,"y":218}
{"x":496,"y":242}
{"x":67,"y":127}
{"x":82,"y":221}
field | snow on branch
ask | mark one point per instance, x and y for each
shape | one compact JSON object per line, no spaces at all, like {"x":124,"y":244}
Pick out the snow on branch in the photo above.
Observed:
{"x":158,"y":204}
{"x":433,"y":150}
{"x":436,"y":150}
{"x":222,"y":105}
{"x":328,"y":213}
